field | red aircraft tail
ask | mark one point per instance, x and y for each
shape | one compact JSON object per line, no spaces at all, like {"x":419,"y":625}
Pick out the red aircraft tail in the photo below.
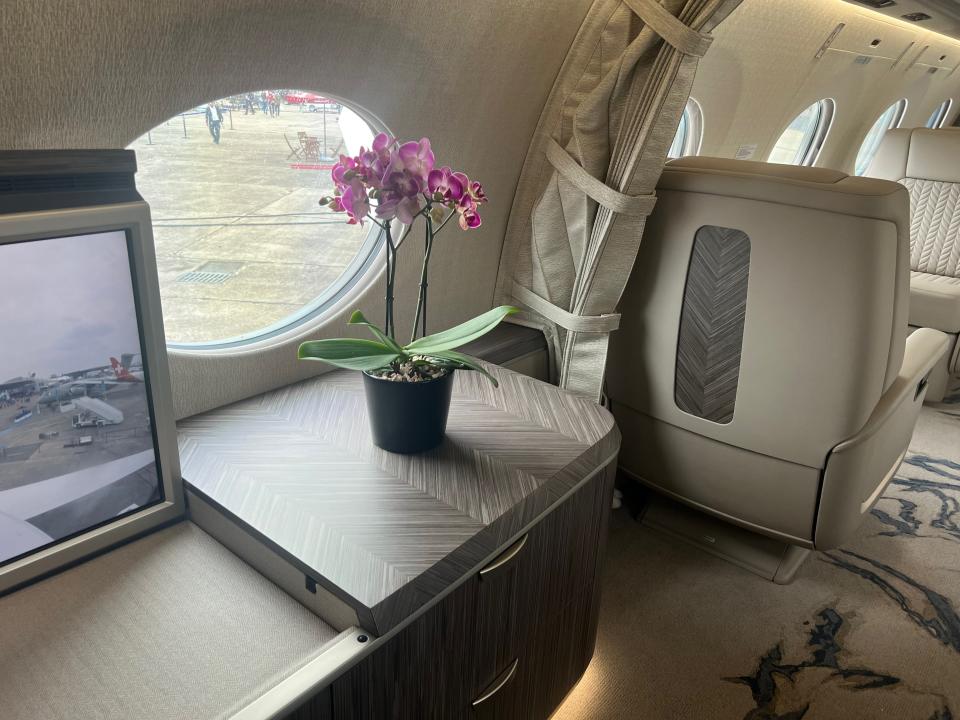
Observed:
{"x":120,"y":371}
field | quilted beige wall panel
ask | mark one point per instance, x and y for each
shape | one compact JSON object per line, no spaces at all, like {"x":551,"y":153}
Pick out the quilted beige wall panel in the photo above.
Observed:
{"x":473,"y":76}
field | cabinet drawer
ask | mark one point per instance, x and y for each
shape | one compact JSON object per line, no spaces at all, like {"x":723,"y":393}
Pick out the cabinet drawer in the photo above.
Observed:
{"x":563,"y":549}
{"x":535,"y":607}
{"x":537,"y":576}
{"x":554,"y":655}
{"x":424,"y":672}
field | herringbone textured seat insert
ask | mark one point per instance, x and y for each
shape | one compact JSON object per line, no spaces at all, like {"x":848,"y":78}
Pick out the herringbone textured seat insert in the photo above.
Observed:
{"x":934,"y":226}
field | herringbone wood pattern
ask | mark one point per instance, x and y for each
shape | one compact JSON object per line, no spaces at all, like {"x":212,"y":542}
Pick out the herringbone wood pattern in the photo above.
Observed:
{"x":387,"y":532}
{"x":711,"y":324}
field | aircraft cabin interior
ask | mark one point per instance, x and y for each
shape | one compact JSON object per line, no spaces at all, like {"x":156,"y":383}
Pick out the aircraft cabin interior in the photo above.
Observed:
{"x":508,"y":360}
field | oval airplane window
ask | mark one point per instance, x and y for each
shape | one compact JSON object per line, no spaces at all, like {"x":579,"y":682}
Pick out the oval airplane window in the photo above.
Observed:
{"x":689,"y":134}
{"x":243,"y":247}
{"x":800,"y":143}
{"x":939,"y":116}
{"x":890,"y":118}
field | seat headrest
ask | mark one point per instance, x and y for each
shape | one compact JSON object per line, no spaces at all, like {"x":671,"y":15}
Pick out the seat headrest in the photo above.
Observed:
{"x":918,"y":153}
{"x":809,"y":187}
{"x":752,"y":167}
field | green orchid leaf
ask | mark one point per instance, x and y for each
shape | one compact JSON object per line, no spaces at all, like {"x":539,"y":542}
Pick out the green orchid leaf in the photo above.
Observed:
{"x":349,"y":353}
{"x":464,"y":362}
{"x":461,"y":334}
{"x":358,"y":319}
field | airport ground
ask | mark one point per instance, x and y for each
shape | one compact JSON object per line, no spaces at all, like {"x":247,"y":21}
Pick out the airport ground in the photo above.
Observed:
{"x":29,"y":458}
{"x":247,"y":207}
{"x":43,"y":446}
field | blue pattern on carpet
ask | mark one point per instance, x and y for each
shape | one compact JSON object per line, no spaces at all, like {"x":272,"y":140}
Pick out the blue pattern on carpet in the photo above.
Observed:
{"x":826,"y":651}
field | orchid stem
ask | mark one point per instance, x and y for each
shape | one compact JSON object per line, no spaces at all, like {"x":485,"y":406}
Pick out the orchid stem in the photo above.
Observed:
{"x":426,"y":262}
{"x":391,"y":274}
{"x":421,"y":315}
{"x":445,"y":221}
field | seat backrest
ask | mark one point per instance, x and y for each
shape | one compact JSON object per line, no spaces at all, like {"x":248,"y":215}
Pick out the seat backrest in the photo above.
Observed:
{"x":927,"y":162}
{"x":768,"y":305}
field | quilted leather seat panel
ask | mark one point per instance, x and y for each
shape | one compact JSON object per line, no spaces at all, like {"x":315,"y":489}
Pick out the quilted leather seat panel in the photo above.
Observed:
{"x":934,"y":226}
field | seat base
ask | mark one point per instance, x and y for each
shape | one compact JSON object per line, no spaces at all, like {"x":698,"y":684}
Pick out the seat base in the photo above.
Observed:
{"x":948,"y":366}
{"x":935,"y":301}
{"x":772,"y":559}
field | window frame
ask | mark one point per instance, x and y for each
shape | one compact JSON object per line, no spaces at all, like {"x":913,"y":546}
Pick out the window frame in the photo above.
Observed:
{"x":900,"y":109}
{"x":365,"y":266}
{"x":692,"y":123}
{"x":939,"y":115}
{"x":826,"y":112}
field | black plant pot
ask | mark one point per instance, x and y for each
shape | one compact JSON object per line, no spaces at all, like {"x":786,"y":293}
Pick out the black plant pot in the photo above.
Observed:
{"x":408,"y":417}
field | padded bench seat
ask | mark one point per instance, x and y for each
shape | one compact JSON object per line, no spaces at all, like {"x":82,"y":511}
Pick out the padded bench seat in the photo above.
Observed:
{"x":172,"y":626}
{"x":935,"y":301}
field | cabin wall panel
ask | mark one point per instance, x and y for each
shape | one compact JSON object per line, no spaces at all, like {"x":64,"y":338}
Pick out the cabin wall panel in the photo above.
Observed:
{"x":472,"y":76}
{"x":762,"y":71}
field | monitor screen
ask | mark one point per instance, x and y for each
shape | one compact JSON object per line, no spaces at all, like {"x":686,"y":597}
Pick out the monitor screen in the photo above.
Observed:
{"x":77,"y":432}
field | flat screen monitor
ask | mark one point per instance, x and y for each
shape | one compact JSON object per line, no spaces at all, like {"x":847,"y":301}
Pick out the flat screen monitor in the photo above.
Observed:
{"x":86,"y":435}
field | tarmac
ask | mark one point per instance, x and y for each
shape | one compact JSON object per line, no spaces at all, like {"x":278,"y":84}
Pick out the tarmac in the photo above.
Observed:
{"x":248,"y":208}
{"x":41,"y":448}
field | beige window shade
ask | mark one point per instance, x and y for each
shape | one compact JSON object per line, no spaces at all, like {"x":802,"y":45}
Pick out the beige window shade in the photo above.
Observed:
{"x":589,"y":178}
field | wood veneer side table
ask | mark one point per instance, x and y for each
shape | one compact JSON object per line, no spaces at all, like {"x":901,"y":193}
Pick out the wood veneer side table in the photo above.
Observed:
{"x":474,"y":567}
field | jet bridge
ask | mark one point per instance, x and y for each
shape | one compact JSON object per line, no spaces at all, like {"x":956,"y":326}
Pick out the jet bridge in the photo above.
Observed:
{"x":100,"y":410}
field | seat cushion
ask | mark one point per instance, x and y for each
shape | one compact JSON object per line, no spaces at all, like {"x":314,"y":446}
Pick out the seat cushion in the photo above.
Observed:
{"x":935,"y":301}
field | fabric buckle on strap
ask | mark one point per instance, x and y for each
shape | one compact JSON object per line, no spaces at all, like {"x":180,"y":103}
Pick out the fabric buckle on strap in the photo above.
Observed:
{"x":563,"y":318}
{"x":674,"y":32}
{"x":635,"y":205}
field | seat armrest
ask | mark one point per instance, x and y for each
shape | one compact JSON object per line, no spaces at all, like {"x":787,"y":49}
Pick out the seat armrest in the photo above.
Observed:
{"x":924,"y":349}
{"x":858,"y":469}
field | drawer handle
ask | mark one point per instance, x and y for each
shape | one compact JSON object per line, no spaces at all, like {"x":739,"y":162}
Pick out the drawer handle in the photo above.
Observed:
{"x":505,"y":557}
{"x":498,"y":684}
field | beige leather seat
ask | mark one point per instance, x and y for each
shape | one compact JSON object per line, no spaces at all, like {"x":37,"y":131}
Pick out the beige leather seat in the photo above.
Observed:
{"x":927,"y":163}
{"x":763,"y":372}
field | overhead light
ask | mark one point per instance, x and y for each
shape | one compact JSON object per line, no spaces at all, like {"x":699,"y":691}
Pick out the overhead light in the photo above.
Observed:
{"x":878,"y":3}
{"x":916,"y":17}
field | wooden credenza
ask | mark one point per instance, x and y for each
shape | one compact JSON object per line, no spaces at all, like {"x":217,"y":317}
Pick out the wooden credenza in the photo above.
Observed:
{"x":473,"y":568}
{"x":507,"y":643}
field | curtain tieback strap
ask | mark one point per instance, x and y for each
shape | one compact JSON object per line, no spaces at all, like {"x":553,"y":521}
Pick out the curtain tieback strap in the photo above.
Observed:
{"x":636,"y":205}
{"x":563,"y":318}
{"x":683,"y":37}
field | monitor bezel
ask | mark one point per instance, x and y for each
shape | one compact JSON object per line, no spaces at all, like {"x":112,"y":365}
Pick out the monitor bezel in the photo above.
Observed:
{"x":133,"y":218}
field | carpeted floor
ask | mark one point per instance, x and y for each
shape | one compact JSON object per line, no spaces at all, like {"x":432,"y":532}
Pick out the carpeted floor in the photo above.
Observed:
{"x":871,"y":630}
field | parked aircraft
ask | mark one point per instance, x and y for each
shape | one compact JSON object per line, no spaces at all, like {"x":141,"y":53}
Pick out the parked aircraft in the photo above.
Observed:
{"x":19,"y":505}
{"x":123,"y":374}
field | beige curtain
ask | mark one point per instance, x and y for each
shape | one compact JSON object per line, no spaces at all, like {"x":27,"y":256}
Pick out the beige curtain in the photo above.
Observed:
{"x":588,"y":180}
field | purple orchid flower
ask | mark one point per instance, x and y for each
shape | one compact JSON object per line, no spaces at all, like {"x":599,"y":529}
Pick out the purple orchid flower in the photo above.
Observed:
{"x":477,"y":193}
{"x":469,"y":219}
{"x":408,"y":207}
{"x":444,"y":182}
{"x":403,"y":182}
{"x":387,"y":205}
{"x":343,"y":170}
{"x":403,"y":179}
{"x":355,"y":201}
{"x":417,"y":157}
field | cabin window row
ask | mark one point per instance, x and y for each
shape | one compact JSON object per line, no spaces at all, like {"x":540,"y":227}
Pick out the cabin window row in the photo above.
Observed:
{"x":803,"y":139}
{"x":245,"y":251}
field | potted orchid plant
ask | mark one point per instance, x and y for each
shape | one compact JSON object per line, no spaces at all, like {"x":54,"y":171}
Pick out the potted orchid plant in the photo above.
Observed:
{"x":407,"y":386}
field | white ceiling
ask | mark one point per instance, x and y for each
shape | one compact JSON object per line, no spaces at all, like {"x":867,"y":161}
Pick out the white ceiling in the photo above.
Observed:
{"x":944,"y":14}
